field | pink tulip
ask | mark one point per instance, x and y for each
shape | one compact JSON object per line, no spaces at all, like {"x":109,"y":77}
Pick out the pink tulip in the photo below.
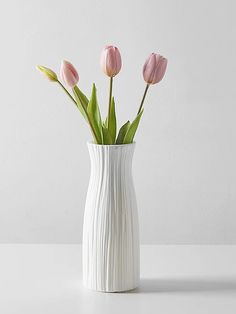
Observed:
{"x":111,"y":61}
{"x":69,"y":74}
{"x":154,"y":68}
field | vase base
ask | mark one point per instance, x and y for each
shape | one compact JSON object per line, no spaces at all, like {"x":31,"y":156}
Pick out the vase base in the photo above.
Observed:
{"x":111,"y":290}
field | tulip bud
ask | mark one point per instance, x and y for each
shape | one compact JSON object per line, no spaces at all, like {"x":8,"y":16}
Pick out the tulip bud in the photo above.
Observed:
{"x":69,"y":74}
{"x":154,"y":68}
{"x":48,"y":72}
{"x":111,"y":61}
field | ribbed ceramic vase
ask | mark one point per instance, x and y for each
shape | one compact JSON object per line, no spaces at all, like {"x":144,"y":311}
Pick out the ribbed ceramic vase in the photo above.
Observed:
{"x":111,"y":230}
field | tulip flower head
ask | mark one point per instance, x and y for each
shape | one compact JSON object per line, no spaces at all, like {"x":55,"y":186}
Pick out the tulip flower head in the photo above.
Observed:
{"x":68,"y":74}
{"x":154,"y":68}
{"x":111,"y":61}
{"x":50,"y":74}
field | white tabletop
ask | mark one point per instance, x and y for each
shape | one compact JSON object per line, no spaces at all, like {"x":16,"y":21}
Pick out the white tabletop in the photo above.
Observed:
{"x":174,"y":279}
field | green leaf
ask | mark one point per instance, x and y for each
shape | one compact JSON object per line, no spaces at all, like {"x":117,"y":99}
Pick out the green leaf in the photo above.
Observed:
{"x":107,"y":139}
{"x":122,"y":133}
{"x":105,"y":123}
{"x":132,"y":129}
{"x":94,"y":115}
{"x":112,"y":121}
{"x":81,"y":100}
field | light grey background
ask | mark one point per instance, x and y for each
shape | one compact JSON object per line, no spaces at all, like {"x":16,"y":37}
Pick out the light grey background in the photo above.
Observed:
{"x":184,"y":165}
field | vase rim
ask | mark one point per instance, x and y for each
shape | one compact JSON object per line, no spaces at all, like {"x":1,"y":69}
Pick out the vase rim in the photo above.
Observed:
{"x":111,"y":145}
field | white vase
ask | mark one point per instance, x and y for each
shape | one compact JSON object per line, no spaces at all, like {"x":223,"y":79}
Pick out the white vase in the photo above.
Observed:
{"x":111,"y":230}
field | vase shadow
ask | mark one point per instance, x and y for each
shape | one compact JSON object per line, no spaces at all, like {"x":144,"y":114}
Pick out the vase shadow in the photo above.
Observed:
{"x":186,"y":285}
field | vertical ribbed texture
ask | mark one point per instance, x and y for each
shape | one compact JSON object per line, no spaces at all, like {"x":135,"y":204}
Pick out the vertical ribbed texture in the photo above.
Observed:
{"x":110,"y":232}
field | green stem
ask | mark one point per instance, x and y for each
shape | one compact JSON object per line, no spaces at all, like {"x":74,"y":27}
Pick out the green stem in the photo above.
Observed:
{"x":110,"y":97}
{"x":90,"y":124}
{"x":63,"y":87}
{"x":144,"y":95}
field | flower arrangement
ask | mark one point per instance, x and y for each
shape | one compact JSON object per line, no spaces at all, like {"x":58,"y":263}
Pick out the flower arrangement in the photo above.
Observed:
{"x":105,"y":131}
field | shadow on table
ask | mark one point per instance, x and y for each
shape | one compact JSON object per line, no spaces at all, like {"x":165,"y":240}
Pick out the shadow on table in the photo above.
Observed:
{"x":178,"y":285}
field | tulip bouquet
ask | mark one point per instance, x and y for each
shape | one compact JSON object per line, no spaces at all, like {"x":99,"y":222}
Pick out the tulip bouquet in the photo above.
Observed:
{"x":105,"y":131}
